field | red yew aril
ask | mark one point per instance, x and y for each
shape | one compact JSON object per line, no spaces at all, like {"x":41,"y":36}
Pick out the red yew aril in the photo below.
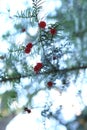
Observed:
{"x":42,"y":24}
{"x":38,"y":67}
{"x":29,"y":45}
{"x":53,"y":31}
{"x":50,"y":84}
{"x":27,"y":50}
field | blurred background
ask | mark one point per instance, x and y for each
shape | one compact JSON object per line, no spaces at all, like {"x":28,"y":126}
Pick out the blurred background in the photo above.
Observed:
{"x":64,"y":57}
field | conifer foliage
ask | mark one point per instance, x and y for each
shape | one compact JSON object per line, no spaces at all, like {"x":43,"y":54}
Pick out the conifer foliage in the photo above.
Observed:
{"x":43,"y":44}
{"x":53,"y":47}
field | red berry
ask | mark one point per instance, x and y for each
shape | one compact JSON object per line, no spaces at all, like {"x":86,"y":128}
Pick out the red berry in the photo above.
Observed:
{"x":38,"y":67}
{"x":29,"y":45}
{"x":42,"y":24}
{"x":27,"y":50}
{"x":53,"y":31}
{"x":50,"y":84}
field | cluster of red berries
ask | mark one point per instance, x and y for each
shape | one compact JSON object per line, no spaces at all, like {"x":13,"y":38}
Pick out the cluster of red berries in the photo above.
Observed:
{"x":38,"y":67}
{"x":28,"y":48}
{"x":42,"y":24}
{"x":27,"y":110}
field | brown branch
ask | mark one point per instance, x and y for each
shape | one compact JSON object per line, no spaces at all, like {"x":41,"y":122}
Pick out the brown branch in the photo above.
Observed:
{"x":4,"y":79}
{"x":66,"y":70}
